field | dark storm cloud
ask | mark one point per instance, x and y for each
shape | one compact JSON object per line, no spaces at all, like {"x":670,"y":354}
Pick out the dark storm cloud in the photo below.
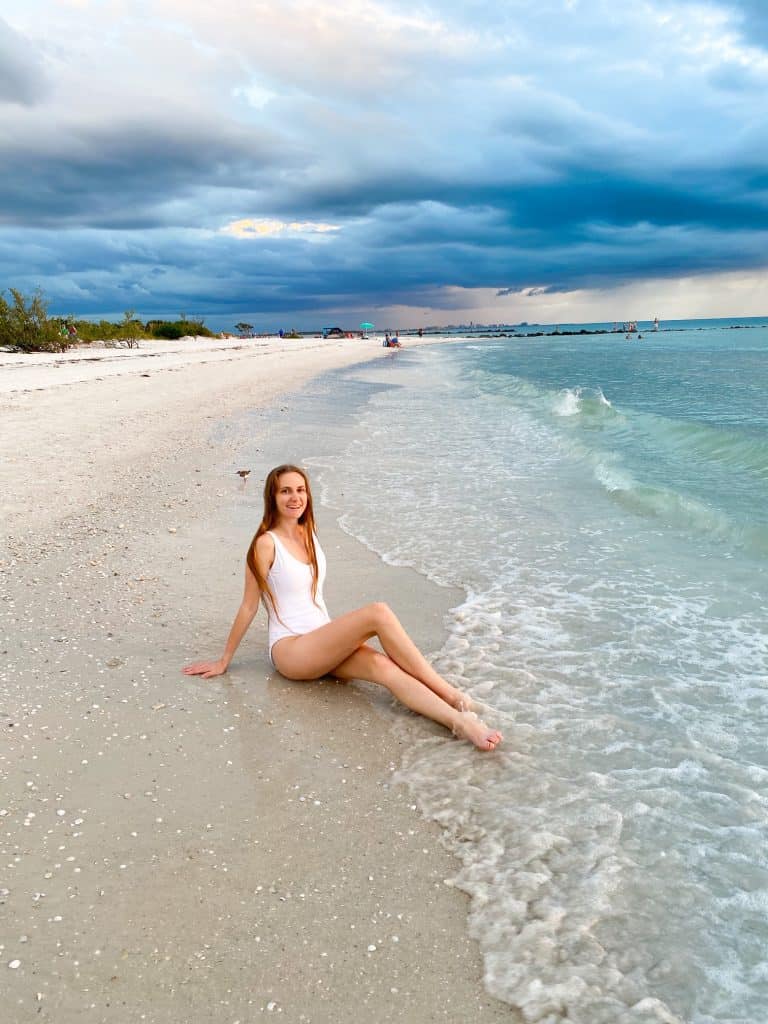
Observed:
{"x":578,"y":196}
{"x":129,"y":174}
{"x":167,"y":270}
{"x":540,"y":145}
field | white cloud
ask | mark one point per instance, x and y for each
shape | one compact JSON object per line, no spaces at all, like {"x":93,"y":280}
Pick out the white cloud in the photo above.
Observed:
{"x":257,"y":96}
{"x":264,"y":228}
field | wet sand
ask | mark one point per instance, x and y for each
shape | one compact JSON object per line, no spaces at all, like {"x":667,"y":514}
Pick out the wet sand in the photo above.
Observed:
{"x":177,"y":850}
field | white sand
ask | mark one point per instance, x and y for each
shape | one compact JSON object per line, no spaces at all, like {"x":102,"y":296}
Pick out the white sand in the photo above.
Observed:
{"x":62,"y":436}
{"x":174,"y":850}
{"x":40,"y":371}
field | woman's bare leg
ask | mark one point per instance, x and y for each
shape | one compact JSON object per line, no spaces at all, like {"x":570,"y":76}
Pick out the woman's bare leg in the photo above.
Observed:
{"x":316,"y":653}
{"x":366,"y":663}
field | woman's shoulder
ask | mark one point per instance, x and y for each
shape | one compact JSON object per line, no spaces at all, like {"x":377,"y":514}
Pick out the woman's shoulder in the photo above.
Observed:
{"x":265,"y":544}
{"x":265,"y":552}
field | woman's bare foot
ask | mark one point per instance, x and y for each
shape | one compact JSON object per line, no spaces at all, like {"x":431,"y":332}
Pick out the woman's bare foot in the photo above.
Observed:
{"x":468,"y":726}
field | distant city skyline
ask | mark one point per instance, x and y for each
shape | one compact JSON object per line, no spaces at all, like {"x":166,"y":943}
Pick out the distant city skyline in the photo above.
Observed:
{"x":312,"y":162}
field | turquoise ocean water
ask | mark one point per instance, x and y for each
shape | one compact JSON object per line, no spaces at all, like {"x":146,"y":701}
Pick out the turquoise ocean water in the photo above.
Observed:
{"x":604,"y":504}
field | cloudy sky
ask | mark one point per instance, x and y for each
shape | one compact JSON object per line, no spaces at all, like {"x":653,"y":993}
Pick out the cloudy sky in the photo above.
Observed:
{"x":306,"y":162}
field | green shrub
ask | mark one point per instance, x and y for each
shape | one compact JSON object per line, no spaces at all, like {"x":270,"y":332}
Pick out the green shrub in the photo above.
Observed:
{"x":26,"y":327}
{"x":172,"y":329}
{"x":102,"y":331}
{"x":24,"y":324}
{"x":129,"y":331}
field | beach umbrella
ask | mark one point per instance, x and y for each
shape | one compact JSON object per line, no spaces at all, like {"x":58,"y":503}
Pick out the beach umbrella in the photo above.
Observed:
{"x":366,"y":327}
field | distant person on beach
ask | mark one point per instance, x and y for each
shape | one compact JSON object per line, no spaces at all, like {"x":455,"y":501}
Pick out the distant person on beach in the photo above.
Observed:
{"x":285,"y":566}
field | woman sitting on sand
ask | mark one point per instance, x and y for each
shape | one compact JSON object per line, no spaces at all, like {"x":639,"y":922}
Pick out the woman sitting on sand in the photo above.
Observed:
{"x":286,"y":565}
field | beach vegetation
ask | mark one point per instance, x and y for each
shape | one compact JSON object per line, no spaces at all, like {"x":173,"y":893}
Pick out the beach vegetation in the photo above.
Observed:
{"x":132,"y":328}
{"x":173,"y":329}
{"x":26,"y":327}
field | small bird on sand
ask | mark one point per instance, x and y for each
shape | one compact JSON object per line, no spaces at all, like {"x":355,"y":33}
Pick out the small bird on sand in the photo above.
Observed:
{"x":243,"y":473}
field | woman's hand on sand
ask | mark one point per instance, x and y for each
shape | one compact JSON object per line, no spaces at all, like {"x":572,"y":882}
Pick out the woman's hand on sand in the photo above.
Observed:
{"x":206,"y":669}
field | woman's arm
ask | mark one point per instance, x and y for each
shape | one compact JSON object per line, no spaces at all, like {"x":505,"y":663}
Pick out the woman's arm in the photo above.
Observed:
{"x":245,"y":616}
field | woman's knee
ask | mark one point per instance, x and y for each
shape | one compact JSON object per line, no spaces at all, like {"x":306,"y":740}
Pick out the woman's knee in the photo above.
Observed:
{"x":381,"y":614}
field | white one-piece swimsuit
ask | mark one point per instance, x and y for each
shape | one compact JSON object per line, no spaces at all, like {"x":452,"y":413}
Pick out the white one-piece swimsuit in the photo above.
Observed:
{"x":291,"y":582}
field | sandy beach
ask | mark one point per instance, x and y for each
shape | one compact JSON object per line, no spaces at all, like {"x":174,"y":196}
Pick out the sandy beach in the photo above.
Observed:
{"x":177,"y":850}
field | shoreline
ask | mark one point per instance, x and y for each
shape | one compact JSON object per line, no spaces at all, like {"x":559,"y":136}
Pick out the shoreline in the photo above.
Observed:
{"x":228,"y":847}
{"x":144,"y":401}
{"x":39,"y":371}
{"x":42,"y":371}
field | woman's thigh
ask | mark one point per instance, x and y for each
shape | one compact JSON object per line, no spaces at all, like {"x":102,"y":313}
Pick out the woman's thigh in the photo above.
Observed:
{"x":317,"y":653}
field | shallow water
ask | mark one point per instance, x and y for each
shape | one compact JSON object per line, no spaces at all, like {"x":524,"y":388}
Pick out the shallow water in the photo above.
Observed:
{"x":604,"y":504}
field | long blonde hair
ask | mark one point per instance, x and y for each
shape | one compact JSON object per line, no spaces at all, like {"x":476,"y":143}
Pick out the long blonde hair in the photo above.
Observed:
{"x":268,"y":522}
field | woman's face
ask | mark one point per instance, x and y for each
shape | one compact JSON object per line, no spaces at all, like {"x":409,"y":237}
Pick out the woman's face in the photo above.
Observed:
{"x":291,"y":496}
